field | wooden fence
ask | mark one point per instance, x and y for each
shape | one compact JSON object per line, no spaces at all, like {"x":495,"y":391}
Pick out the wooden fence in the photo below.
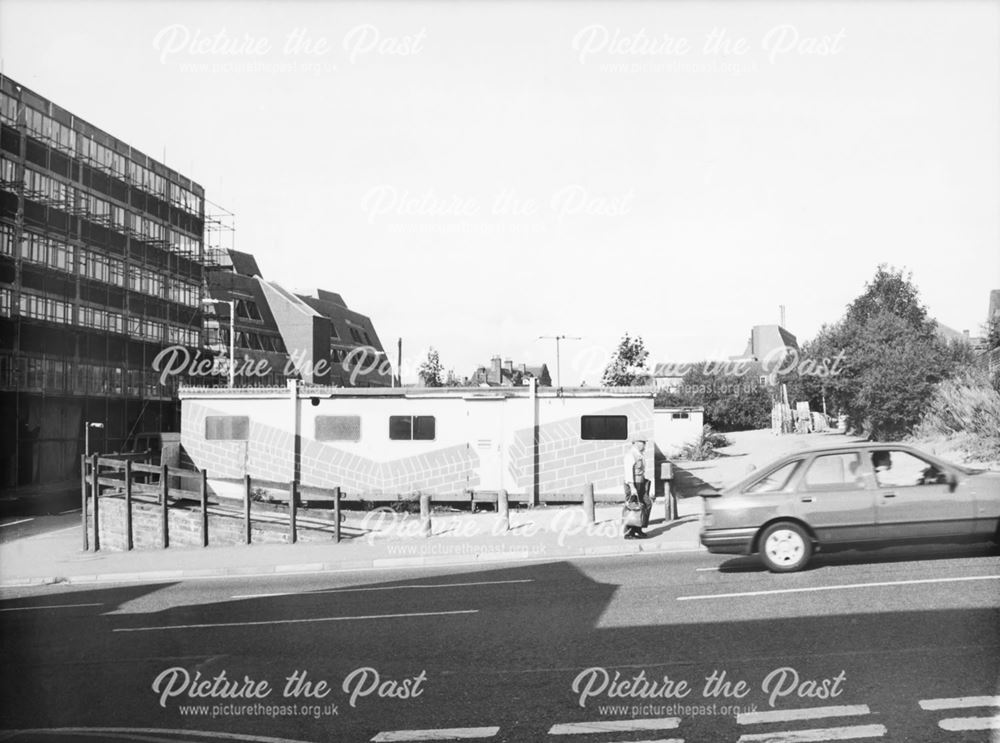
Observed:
{"x":138,"y":482}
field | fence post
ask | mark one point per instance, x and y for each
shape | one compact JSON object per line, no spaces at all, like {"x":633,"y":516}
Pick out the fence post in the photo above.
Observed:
{"x":128,"y":505}
{"x":203,"y":492}
{"x":588,"y":503}
{"x":246,"y":506}
{"x":83,"y":501}
{"x":336,"y":514}
{"x":425,"y":514}
{"x":95,"y":488}
{"x":164,"y":515}
{"x":503,"y":509}
{"x":292,"y":512}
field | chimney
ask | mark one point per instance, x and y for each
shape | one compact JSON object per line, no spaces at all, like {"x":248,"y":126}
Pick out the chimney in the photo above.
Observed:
{"x":495,"y":369}
{"x":782,"y":307}
{"x":509,"y":365}
{"x":524,"y":368}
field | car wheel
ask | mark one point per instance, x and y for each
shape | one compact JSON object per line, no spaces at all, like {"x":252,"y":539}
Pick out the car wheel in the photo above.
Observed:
{"x":785,"y":547}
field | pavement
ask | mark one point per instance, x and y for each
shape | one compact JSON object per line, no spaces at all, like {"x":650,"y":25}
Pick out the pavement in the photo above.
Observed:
{"x":376,"y":541}
{"x":51,"y":551}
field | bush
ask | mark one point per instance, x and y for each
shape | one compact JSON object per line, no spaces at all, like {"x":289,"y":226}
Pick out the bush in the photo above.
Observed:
{"x":704,"y":447}
{"x":965,"y":409}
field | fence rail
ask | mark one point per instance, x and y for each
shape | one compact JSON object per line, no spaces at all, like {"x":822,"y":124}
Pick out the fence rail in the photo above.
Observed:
{"x":145,"y":487}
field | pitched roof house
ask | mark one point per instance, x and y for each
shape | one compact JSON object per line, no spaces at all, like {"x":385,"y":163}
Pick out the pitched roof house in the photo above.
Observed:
{"x":505,"y":374}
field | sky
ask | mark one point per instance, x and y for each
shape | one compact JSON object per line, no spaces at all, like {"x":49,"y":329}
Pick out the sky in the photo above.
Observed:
{"x":475,"y":175}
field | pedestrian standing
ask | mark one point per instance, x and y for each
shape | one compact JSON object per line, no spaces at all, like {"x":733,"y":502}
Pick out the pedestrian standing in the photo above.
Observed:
{"x":634,"y":473}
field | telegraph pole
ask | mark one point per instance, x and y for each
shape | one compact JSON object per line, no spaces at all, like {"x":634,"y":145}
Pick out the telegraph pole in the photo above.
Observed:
{"x":558,"y":338}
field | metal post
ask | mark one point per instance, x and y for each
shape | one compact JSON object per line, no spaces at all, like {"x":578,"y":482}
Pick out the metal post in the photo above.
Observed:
{"x":232,"y":343}
{"x":83,"y":501}
{"x":336,"y":514}
{"x":588,"y":503}
{"x":503,"y":509}
{"x":203,"y":492}
{"x":165,"y":516}
{"x":425,"y":514}
{"x":292,"y":511}
{"x":128,"y":505}
{"x":95,"y":488}
{"x":246,"y":506}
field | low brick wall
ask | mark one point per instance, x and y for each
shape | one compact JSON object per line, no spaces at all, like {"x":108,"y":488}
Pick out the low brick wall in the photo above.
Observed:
{"x":184,"y":527}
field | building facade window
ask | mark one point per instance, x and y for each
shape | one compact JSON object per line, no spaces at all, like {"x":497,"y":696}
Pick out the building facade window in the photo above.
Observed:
{"x":8,"y":109}
{"x":604,"y":427}
{"x":7,"y":240}
{"x":5,"y":302}
{"x":227,"y":427}
{"x":45,"y":308}
{"x":411,"y":427}
{"x":338,"y":428}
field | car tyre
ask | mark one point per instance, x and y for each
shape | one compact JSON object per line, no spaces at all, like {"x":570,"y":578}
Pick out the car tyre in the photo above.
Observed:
{"x":785,"y":547}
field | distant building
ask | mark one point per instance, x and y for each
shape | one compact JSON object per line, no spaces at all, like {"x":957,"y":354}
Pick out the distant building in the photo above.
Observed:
{"x":766,"y":349}
{"x":768,"y":342}
{"x":506,"y":374}
{"x":282,"y":335}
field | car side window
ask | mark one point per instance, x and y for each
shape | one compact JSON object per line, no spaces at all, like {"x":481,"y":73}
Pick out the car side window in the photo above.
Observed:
{"x":775,"y":481}
{"x":900,"y":469}
{"x":834,"y":472}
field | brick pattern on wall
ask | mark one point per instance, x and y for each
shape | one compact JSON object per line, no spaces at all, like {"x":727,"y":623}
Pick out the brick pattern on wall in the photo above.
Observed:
{"x":567,"y":463}
{"x":185,"y":528}
{"x":324,"y":465}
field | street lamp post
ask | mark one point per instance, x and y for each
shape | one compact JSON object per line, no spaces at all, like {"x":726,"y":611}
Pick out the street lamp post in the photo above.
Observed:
{"x":86,"y":435}
{"x":558,"y":338}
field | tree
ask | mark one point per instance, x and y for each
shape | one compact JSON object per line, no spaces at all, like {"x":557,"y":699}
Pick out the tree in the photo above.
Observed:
{"x":628,"y":365}
{"x":893,"y":359}
{"x":731,"y":394}
{"x":430,"y":370}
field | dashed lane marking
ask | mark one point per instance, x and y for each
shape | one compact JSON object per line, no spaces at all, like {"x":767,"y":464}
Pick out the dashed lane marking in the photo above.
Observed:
{"x":297,"y":621}
{"x":48,"y":606}
{"x":970,"y":723}
{"x":383,"y":588}
{"x":853,"y":732}
{"x":181,"y":735}
{"x":15,"y":523}
{"x":614,"y":726}
{"x":843,"y":587}
{"x":436,"y":734}
{"x":809,"y":713}
{"x":959,"y":703}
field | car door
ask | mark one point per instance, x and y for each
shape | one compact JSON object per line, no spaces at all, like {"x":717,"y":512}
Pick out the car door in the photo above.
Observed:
{"x":835,"y":500}
{"x":914,"y":499}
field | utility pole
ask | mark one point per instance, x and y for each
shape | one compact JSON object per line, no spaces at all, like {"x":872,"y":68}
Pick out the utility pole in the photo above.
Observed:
{"x":558,"y":338}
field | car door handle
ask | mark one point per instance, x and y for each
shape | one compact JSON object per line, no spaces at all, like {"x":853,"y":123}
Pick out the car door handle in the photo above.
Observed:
{"x":888,"y":495}
{"x":807,"y":499}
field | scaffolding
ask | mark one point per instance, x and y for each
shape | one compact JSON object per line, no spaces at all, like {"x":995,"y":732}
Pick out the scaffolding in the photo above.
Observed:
{"x":220,"y":235}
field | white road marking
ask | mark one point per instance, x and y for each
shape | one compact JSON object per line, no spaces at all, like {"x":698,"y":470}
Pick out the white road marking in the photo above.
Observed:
{"x":820,"y":734}
{"x":614,"y":726}
{"x":181,"y":734}
{"x":809,"y":713}
{"x":706,"y":570}
{"x":48,"y":606}
{"x":59,"y":531}
{"x":15,"y":523}
{"x":71,"y":510}
{"x":297,"y":621}
{"x":959,"y":702}
{"x":439,"y":734}
{"x":382,"y":588}
{"x":843,"y":587}
{"x":970,"y":723}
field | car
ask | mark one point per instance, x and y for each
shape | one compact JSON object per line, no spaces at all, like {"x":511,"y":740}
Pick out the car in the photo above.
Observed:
{"x":850,"y":496}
